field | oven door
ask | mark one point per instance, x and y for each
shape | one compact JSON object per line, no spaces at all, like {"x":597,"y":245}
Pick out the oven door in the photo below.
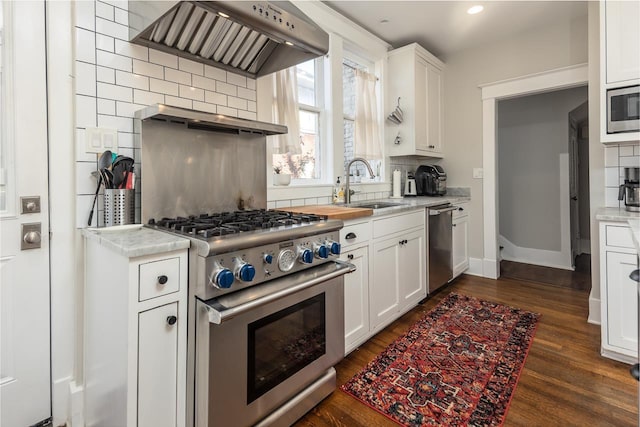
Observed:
{"x":259,"y":347}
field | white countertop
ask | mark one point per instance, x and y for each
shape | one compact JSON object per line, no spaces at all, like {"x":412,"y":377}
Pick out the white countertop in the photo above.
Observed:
{"x":135,"y":240}
{"x":615,"y":214}
{"x":635,"y":231}
{"x":409,"y":203}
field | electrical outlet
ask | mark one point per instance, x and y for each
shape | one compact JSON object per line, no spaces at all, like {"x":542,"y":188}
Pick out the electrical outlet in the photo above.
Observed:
{"x":478,"y":173}
{"x":98,"y":140}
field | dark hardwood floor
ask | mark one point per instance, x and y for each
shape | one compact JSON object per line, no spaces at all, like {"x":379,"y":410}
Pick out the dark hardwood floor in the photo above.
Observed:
{"x":565,"y":381}
{"x":579,"y":279}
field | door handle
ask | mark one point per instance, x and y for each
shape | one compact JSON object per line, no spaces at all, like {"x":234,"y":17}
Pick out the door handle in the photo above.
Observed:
{"x":574,"y":198}
{"x":31,"y":236}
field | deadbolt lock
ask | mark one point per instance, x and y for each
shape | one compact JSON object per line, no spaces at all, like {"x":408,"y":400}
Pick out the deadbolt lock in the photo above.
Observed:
{"x":30,"y":204}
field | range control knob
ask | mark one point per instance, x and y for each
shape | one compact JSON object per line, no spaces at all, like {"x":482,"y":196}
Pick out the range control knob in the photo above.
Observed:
{"x":321,"y":251}
{"x":334,"y":247}
{"x":245,"y":272}
{"x":305,"y":255}
{"x":267,"y":258}
{"x":222,"y":278}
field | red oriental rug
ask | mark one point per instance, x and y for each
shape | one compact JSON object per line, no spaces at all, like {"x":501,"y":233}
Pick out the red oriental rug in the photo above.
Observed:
{"x":458,"y":365}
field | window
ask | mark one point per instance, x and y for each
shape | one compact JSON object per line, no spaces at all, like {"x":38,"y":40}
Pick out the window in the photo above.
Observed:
{"x":307,"y":165}
{"x":358,"y":170}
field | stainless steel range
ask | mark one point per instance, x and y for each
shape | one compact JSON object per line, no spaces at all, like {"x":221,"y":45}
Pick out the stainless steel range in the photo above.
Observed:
{"x":266,"y":306}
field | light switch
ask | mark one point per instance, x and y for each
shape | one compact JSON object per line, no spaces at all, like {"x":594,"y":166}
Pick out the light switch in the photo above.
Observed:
{"x":478,"y":173}
{"x":110,"y":139}
{"x":98,"y":140}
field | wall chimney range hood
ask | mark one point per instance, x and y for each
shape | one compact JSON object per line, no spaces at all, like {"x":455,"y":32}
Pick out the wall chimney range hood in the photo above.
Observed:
{"x":251,"y":38}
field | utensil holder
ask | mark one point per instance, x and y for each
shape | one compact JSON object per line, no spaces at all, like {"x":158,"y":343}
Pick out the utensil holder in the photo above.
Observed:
{"x":119,"y":207}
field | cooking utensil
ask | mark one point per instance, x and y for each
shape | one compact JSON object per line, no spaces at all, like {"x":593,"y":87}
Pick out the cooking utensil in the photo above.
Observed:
{"x":103,"y":163}
{"x":121,"y":168}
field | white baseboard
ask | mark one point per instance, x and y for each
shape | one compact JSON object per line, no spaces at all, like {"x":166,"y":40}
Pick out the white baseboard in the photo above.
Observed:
{"x":490,"y":268}
{"x":555,"y":259}
{"x":475,"y":267}
{"x":594,"y":311}
{"x":76,"y":408}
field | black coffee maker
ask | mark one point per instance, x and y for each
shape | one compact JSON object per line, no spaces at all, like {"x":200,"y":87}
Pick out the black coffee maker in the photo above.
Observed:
{"x":431,"y":180}
{"x":630,"y":190}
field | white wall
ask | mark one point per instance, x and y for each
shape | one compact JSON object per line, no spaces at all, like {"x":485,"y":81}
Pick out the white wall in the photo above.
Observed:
{"x":532,"y":135}
{"x":545,"y":49}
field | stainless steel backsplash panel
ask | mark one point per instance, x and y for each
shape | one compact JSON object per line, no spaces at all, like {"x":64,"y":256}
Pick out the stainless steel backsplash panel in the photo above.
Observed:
{"x":189,"y":171}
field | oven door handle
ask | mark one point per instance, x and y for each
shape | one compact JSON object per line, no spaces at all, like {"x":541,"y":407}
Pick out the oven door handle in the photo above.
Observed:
{"x":228,"y":306}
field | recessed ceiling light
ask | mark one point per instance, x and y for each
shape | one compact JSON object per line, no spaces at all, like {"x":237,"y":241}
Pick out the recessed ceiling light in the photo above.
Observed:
{"x":224,"y":15}
{"x":475,"y":9}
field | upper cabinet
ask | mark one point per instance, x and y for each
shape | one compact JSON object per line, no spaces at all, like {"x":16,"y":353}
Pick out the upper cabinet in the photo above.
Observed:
{"x":619,"y":61}
{"x":416,"y":88}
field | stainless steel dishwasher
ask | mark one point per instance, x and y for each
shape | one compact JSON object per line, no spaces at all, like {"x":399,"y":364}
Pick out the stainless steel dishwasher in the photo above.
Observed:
{"x":440,"y":245}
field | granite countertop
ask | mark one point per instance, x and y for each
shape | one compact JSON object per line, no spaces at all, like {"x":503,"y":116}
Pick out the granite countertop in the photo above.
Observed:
{"x":412,"y":203}
{"x":615,"y":214}
{"x":135,"y":240}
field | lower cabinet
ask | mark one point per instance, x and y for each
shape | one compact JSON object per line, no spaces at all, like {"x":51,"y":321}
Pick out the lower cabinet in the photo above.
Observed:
{"x":389,"y":254}
{"x":618,"y":293}
{"x":460,"y":239}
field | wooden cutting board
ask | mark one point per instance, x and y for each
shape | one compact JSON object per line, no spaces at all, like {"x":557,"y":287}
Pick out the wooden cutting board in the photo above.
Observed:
{"x":331,"y":211}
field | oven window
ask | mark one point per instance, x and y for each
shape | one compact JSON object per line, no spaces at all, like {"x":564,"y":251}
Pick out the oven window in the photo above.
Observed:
{"x":283,"y":343}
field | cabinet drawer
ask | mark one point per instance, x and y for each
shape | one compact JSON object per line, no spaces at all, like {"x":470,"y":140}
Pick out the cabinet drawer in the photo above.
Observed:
{"x":357,"y":233}
{"x":619,"y":236}
{"x":395,"y":224}
{"x":159,"y":278}
{"x":463,"y":210}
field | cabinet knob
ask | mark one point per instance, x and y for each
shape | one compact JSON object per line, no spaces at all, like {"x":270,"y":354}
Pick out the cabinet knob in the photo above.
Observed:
{"x":350,"y":256}
{"x":453,"y":225}
{"x":163,"y":279}
{"x":350,"y":236}
{"x":171,"y":320}
{"x":635,"y":275}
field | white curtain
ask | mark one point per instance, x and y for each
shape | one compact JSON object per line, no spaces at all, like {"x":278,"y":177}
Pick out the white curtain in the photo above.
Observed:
{"x":286,"y":112}
{"x":367,"y":134}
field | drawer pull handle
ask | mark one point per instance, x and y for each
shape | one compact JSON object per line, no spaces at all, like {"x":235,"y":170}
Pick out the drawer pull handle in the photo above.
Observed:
{"x":163,"y":279}
{"x":350,"y":256}
{"x":171,"y":320}
{"x":350,"y":236}
{"x":635,"y":276}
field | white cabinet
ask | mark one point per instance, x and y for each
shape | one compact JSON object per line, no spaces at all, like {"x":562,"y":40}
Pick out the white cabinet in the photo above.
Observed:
{"x":415,"y":78}
{"x":135,"y":338}
{"x":460,"y":239}
{"x":618,"y":293}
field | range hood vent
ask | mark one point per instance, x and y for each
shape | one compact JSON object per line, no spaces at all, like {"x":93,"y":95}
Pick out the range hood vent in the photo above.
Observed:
{"x":245,"y":37}
{"x":200,"y":120}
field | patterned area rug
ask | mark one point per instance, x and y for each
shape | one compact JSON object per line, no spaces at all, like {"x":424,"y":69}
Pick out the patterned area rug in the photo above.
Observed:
{"x":458,"y":365}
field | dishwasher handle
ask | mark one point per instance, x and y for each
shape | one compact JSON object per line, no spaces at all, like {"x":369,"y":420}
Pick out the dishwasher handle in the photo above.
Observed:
{"x":441,"y":211}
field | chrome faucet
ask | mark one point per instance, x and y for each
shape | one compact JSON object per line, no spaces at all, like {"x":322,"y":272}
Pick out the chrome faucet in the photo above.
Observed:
{"x":347,"y":194}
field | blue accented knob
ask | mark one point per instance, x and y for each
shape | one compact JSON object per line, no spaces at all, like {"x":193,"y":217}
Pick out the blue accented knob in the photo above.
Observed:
{"x":322,"y":251}
{"x":268,"y":258}
{"x":246,"y":272}
{"x":223,"y":278}
{"x":306,"y":256}
{"x":335,"y":248}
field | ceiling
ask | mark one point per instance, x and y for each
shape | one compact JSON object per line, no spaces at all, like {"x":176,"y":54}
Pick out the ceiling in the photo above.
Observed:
{"x":445,"y":27}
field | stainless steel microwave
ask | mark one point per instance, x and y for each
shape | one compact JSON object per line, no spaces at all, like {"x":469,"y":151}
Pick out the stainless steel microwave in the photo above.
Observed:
{"x":623,"y":109}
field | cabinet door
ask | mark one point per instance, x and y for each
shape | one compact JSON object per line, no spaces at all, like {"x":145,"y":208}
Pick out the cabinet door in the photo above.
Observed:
{"x":434,"y":109}
{"x":459,"y":238}
{"x":622,"y":40}
{"x":622,"y":301}
{"x":158,"y":366}
{"x":411,"y":259}
{"x":422,"y":112}
{"x":356,"y":298}
{"x":383,"y":290}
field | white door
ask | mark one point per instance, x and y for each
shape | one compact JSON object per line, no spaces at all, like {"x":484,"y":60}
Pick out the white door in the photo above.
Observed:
{"x":25,"y":378}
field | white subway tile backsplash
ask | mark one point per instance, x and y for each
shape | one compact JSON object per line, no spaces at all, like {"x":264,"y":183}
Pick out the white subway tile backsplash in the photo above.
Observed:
{"x":121,"y":4}
{"x":203,"y":106}
{"x":226,"y":88}
{"x":191,"y":93}
{"x":118,"y":93}
{"x":283,"y":204}
{"x":81,"y":154}
{"x":630,"y":161}
{"x":105,"y":43}
{"x":122,"y":16}
{"x":178,"y":102}
{"x":112,"y":29}
{"x":311,"y":201}
{"x":85,"y":46}
{"x":611,"y":197}
{"x":132,"y":50}
{"x":104,"y":10}
{"x":106,"y":75}
{"x":626,"y":150}
{"x":85,"y":79}
{"x":177,"y":76}
{"x":162,"y":86}
{"x":240,"y":104}
{"x":247,"y":94}
{"x":252,"y":106}
{"x":251,"y":84}
{"x":190,"y":66}
{"x":107,"y":106}
{"x":612,"y":177}
{"x":126,"y":140}
{"x":132,"y":80}
{"x":227,"y":111}
{"x":215,"y":98}
{"x":148,"y":69}
{"x":127,"y":109}
{"x":111,"y":60}
{"x":85,"y":111}
{"x":636,"y":150}
{"x":324,"y":200}
{"x":122,"y":124}
{"x":85,"y":15}
{"x":246,"y":115}
{"x":236,"y":79}
{"x":147,"y":98}
{"x":203,"y":82}
{"x":83,"y":207}
{"x":85,"y":182}
{"x":215,"y":73}
{"x":161,"y":58}
{"x":611,"y":156}
{"x":271,"y":205}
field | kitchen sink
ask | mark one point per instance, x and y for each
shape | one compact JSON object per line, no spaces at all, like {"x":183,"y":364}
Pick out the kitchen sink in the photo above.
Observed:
{"x":375,"y":205}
